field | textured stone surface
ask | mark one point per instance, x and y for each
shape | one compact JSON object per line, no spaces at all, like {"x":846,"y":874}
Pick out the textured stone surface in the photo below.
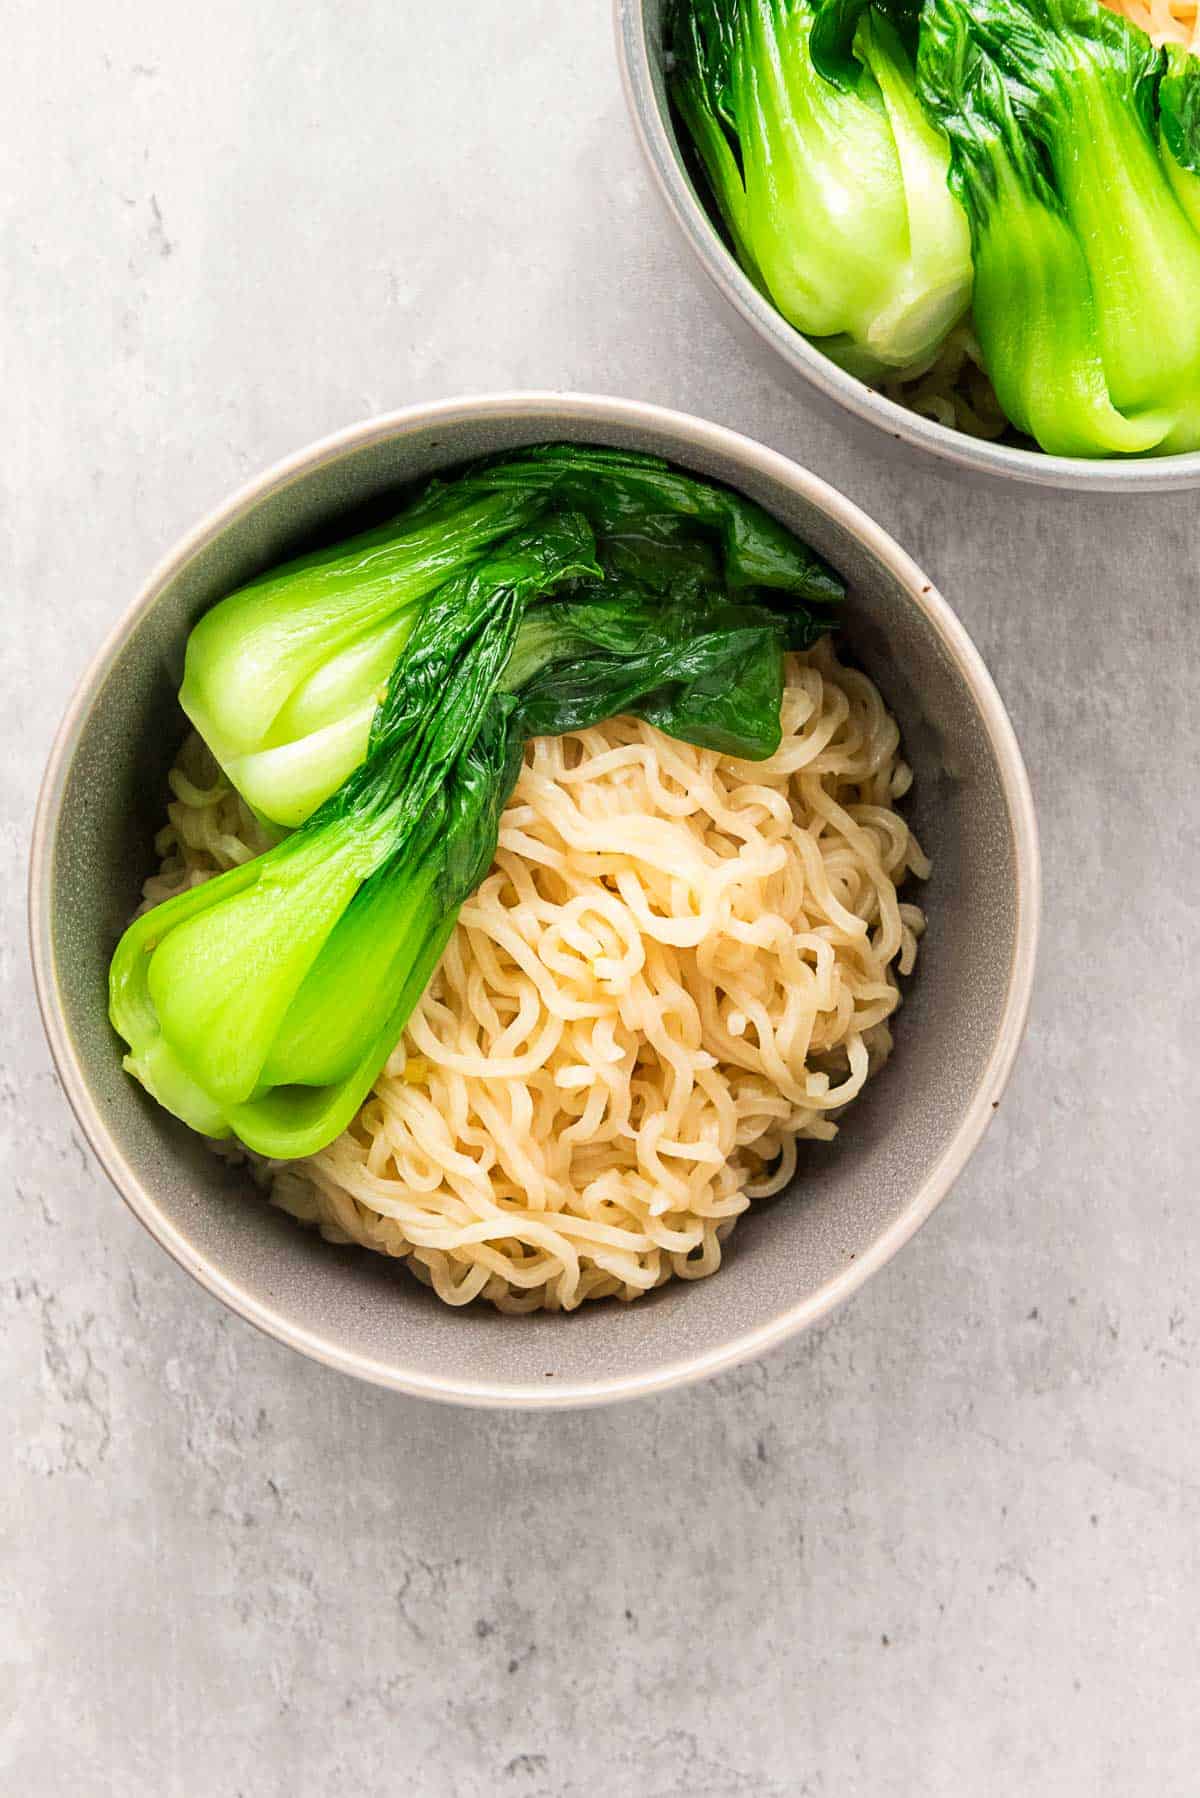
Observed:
{"x":946,"y":1546}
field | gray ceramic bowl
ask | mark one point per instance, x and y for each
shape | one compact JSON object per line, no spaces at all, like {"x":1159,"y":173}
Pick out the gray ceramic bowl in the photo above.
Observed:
{"x":782,"y":349}
{"x":855,"y":1203}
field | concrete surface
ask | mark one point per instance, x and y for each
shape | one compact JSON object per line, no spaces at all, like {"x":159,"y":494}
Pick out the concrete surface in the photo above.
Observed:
{"x":946,"y":1547}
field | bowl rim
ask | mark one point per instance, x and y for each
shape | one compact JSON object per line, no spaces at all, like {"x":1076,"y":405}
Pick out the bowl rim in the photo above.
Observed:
{"x":1165,"y":474}
{"x":691,"y":434}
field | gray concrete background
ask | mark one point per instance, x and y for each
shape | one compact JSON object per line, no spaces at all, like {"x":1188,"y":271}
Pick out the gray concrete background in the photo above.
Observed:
{"x":948,"y":1545}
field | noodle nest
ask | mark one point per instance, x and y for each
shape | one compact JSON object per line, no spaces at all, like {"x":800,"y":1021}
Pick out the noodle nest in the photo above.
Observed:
{"x":679,"y":965}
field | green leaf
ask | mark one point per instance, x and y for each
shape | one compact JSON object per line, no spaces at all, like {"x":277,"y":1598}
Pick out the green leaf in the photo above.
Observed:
{"x":695,"y":666}
{"x":702,"y":40}
{"x":1179,"y":107}
{"x":632,"y":497}
{"x":835,"y":26}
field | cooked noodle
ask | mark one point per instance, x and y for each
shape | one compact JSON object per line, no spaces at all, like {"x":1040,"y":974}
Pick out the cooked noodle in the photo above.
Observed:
{"x":954,"y":389}
{"x":678,"y":965}
{"x":1166,"y":21}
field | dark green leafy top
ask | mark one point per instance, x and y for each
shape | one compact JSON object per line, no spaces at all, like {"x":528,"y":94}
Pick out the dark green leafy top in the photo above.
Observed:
{"x":638,"y":499}
{"x":963,"y":86}
{"x":835,"y":26}
{"x":1179,"y":106}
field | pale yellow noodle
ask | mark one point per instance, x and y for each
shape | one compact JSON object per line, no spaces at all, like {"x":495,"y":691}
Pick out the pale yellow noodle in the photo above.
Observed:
{"x":953,"y":390}
{"x":679,"y":965}
{"x":1167,"y":21}
{"x":209,"y":828}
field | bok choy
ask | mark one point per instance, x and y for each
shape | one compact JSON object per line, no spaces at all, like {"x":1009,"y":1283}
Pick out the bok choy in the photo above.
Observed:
{"x":1086,"y":264}
{"x":831,"y":179}
{"x":263,"y":1003}
{"x":1179,"y":125}
{"x":282,"y":678}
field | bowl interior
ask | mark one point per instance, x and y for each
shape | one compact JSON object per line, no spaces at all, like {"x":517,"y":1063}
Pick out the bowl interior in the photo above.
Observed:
{"x":762,"y":329}
{"x":361,"y":1310}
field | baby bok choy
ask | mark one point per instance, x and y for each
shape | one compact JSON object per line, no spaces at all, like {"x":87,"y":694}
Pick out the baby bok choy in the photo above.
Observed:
{"x":263,"y":1003}
{"x":282,"y":678}
{"x":831,"y":179}
{"x":1086,"y":263}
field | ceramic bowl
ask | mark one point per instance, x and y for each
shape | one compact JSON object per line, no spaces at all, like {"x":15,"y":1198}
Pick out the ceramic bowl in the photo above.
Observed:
{"x":853,"y":1204}
{"x":788,"y":354}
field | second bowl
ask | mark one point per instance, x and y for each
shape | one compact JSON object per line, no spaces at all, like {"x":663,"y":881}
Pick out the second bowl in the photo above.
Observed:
{"x":787,"y":353}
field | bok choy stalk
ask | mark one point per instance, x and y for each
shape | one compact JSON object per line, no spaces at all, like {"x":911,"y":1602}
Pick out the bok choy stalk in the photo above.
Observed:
{"x":1086,"y":265}
{"x":282,"y":678}
{"x":829,"y":176}
{"x":263,"y":1003}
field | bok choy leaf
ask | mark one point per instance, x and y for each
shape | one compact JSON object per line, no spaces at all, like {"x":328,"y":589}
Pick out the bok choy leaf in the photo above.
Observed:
{"x":283,"y":678}
{"x":1179,"y":123}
